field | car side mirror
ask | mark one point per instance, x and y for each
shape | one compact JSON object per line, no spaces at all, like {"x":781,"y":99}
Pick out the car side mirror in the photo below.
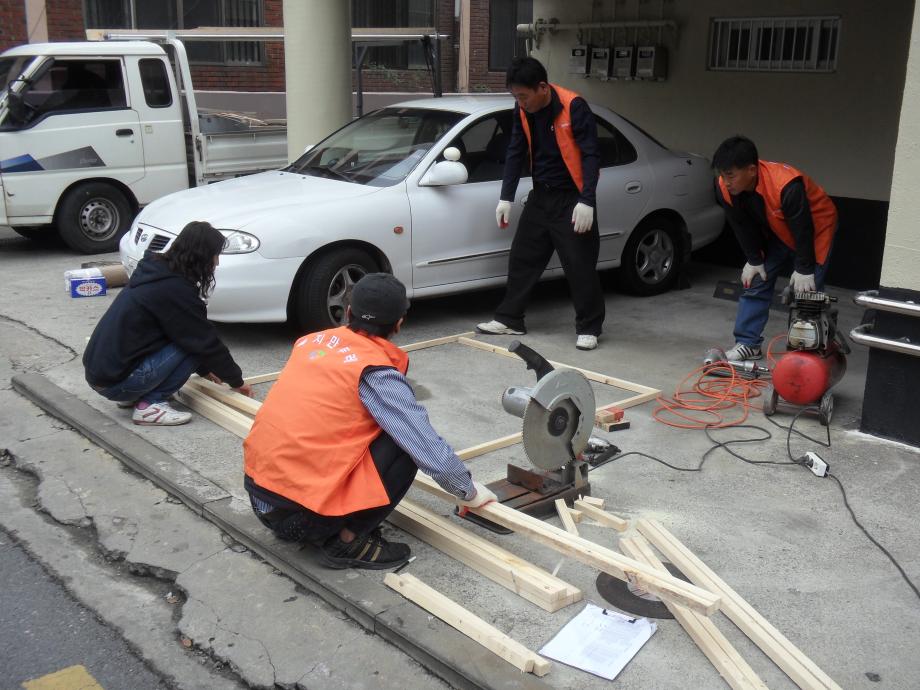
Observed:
{"x":448,"y":172}
{"x":16,"y":106}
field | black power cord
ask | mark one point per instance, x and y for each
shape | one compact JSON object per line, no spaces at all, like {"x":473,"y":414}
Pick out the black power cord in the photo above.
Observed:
{"x":792,"y":461}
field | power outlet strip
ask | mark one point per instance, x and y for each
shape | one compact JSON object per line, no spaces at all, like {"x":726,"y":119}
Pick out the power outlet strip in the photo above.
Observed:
{"x":815,"y":463}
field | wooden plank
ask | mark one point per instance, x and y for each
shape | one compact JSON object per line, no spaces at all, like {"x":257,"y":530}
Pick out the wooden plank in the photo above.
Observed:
{"x":488,"y":446}
{"x":802,"y":670}
{"x":577,"y":515}
{"x":566,"y":517}
{"x":220,"y":414}
{"x":595,"y":555}
{"x":262,"y":378}
{"x":525,"y":578}
{"x":468,"y":623}
{"x":499,"y":565}
{"x":590,"y":375}
{"x":602,"y":516}
{"x":434,"y":342}
{"x":596,"y":501}
{"x":227,"y":396}
{"x":634,"y":400}
{"x":265,"y":378}
{"x":702,"y":630}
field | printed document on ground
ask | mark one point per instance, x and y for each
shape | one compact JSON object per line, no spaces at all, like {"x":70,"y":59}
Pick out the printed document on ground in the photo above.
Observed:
{"x":599,"y":641}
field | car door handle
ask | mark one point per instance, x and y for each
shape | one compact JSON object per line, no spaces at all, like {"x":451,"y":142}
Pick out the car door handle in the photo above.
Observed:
{"x":633,"y":187}
{"x":124,"y":132}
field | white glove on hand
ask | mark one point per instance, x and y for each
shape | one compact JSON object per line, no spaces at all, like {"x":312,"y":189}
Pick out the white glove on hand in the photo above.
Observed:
{"x":482,"y":496}
{"x":802,"y":282}
{"x":582,"y":217}
{"x":748,"y":273}
{"x":503,"y":213}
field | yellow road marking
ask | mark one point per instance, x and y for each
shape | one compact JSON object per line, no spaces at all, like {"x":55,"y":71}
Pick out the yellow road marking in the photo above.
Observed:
{"x":70,"y":678}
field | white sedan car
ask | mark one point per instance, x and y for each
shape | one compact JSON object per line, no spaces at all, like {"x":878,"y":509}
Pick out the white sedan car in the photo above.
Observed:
{"x":378,"y":195}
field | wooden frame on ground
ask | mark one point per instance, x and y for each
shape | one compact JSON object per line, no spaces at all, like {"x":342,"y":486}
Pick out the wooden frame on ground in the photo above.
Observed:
{"x":641,"y":393}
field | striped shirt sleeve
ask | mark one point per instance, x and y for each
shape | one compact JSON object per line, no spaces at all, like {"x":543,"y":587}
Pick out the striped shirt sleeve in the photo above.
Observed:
{"x":391,"y":402}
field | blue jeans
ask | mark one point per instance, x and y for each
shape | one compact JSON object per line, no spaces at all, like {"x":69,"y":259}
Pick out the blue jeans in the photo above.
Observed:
{"x":156,"y":378}
{"x":754,"y":305}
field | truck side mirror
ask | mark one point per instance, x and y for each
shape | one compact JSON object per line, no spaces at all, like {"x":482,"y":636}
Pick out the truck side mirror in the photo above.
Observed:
{"x":16,"y":106}
{"x":448,"y":172}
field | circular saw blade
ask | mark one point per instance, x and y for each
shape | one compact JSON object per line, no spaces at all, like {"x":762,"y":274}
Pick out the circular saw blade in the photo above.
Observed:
{"x":548,"y":433}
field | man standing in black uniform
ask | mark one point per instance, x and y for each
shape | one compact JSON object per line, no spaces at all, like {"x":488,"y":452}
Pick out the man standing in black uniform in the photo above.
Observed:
{"x":556,"y":128}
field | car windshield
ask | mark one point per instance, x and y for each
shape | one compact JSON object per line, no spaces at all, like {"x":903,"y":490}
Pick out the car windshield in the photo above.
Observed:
{"x":379,"y":149}
{"x":11,"y":68}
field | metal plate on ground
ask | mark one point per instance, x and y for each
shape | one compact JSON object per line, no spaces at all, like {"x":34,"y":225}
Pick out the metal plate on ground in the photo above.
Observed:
{"x":620,"y":594}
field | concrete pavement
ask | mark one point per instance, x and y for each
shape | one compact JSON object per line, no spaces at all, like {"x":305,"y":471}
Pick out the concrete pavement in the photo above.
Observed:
{"x":780,"y":536}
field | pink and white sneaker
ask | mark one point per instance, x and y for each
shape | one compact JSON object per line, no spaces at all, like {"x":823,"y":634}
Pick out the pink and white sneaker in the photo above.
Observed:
{"x":160,"y":414}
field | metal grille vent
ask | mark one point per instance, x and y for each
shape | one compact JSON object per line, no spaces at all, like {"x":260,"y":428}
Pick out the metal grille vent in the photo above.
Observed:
{"x":774,"y":44}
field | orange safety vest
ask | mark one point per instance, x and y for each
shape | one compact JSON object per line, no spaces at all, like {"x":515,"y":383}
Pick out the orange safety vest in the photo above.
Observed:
{"x":562,"y":125}
{"x":771,"y":179}
{"x":311,"y":438}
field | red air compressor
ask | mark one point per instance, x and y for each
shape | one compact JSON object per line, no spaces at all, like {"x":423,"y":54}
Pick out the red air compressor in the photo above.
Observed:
{"x":816,"y":358}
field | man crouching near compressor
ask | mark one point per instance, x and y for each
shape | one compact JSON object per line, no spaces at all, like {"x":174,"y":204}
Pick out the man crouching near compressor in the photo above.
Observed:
{"x":337,"y":442}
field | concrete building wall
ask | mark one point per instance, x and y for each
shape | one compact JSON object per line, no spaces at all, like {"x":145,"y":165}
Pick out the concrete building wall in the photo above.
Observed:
{"x":901,"y":265}
{"x":838,"y":127}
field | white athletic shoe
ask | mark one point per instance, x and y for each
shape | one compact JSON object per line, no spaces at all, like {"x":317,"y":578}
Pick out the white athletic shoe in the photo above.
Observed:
{"x":498,"y":328}
{"x":586,"y":342}
{"x":160,"y":414}
{"x":743,"y":353}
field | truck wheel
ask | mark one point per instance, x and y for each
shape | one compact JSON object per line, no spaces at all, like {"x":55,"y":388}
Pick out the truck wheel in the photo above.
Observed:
{"x":325,"y":288}
{"x":651,"y":258}
{"x":92,"y":217}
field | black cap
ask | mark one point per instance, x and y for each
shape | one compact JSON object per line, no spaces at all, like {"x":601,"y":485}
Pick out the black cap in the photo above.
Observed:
{"x":378,"y":298}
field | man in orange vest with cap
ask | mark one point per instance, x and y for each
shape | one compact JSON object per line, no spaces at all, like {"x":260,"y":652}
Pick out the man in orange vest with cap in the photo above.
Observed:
{"x":555,"y":129}
{"x":779,"y":216}
{"x":338,"y":440}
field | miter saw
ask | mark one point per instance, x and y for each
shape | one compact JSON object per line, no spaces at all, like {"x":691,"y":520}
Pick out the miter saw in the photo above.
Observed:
{"x":558,"y":416}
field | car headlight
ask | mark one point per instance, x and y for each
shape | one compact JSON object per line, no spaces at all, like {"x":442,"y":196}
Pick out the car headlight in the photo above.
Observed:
{"x":239,"y":242}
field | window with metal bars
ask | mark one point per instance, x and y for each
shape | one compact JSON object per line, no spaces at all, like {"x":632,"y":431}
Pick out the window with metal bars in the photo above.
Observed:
{"x":185,"y":14}
{"x":774,"y":44}
{"x":393,"y":14}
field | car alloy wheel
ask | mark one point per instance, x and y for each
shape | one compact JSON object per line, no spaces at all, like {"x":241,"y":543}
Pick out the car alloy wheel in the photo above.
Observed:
{"x":340,"y":291}
{"x":654,"y":257}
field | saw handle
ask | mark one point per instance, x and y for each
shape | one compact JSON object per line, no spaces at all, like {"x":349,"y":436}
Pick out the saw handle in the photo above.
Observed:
{"x":532,"y":359}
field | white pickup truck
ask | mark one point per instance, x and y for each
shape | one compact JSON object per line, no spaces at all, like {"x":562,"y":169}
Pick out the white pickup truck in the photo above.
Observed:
{"x":91,"y":132}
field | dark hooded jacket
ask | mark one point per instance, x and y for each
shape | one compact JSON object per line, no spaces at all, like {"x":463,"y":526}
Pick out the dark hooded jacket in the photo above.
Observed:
{"x":158,"y":307}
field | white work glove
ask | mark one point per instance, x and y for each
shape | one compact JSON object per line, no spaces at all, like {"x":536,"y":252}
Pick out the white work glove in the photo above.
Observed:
{"x":582,"y":217}
{"x":802,"y":282}
{"x":503,"y":213}
{"x":748,"y":273}
{"x":482,"y":496}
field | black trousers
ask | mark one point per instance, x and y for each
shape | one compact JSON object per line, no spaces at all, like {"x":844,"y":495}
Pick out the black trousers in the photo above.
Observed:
{"x":292,"y":522}
{"x":546,"y":225}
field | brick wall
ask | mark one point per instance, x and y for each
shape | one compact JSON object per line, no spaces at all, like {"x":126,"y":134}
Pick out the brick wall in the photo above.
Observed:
{"x":269,"y":76}
{"x":481,"y":79}
{"x":420,"y":79}
{"x":12,"y":23}
{"x":66,"y":23}
{"x":65,"y":20}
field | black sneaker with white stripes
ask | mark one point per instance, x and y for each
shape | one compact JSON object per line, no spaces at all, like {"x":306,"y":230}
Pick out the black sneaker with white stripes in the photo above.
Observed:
{"x":743,"y":353}
{"x":372,"y":552}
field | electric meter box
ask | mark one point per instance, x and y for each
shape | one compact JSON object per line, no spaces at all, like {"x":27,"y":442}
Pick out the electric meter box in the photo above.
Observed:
{"x":651,"y":62}
{"x":600,"y":63}
{"x":623,"y":62}
{"x":580,"y":61}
